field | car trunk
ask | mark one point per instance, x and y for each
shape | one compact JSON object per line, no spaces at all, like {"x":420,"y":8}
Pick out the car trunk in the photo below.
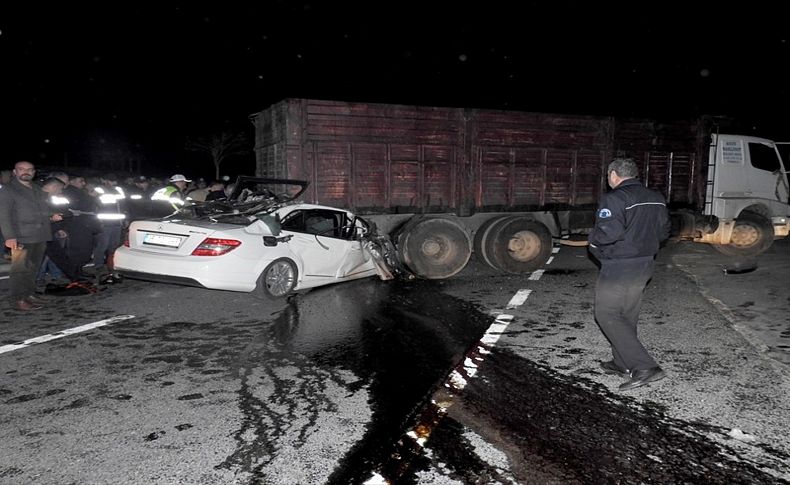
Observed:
{"x":173,"y":237}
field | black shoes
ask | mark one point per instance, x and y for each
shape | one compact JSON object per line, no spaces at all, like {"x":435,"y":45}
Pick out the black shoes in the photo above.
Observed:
{"x":611,"y":368}
{"x":641,"y":377}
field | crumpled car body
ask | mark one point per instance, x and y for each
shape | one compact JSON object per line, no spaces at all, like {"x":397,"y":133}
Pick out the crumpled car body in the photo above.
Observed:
{"x":258,"y":240}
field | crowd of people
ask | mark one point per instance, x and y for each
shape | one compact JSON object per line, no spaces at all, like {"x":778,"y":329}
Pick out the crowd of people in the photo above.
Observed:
{"x":55,"y":226}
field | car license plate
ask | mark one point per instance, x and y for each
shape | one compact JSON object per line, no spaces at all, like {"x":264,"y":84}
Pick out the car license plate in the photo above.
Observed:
{"x":162,"y":240}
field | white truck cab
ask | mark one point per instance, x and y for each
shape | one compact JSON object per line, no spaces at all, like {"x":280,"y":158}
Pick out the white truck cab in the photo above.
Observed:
{"x":747,"y":195}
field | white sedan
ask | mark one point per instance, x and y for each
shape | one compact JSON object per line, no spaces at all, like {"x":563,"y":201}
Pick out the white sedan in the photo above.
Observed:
{"x":255,"y":241}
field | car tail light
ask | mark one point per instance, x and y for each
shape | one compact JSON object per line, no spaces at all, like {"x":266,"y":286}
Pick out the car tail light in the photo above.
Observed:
{"x":215,"y":247}
{"x":126,"y":240}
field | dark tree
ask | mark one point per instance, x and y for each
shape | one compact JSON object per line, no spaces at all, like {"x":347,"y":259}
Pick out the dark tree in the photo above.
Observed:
{"x":220,"y":146}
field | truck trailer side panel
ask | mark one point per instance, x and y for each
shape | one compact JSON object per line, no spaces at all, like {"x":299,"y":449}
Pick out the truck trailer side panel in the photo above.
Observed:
{"x":381,"y":158}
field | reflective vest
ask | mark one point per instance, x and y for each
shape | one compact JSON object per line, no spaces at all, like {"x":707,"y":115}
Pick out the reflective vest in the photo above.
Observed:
{"x":110,"y":204}
{"x":169,"y":194}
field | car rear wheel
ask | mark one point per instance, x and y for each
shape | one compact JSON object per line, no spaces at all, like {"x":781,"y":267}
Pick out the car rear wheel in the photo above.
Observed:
{"x":278,"y":279}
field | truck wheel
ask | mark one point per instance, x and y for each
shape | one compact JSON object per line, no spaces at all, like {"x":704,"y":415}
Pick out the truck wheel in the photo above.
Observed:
{"x":520,"y":245}
{"x":752,"y":235}
{"x":483,"y":246}
{"x":434,"y":248}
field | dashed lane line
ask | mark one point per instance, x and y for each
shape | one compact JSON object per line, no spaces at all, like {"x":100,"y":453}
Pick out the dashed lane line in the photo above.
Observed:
{"x":64,"y":333}
{"x":414,"y":440}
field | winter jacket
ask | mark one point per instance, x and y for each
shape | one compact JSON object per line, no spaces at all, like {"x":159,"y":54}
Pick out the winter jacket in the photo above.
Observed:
{"x":631,"y":222}
{"x":25,"y":213}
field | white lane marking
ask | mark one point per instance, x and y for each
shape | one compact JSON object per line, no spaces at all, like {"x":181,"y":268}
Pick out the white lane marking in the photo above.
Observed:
{"x":519,"y":298}
{"x":535,"y":276}
{"x":63,"y":333}
{"x":551,"y":258}
{"x":376,"y":479}
{"x":457,"y":380}
{"x":555,"y":250}
{"x":496,"y":329}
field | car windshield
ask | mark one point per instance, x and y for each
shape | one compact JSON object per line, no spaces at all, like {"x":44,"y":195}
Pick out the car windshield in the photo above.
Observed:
{"x":249,"y":199}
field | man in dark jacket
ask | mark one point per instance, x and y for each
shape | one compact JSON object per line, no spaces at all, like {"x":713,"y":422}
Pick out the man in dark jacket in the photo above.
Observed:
{"x":631,"y":224}
{"x":25,"y":219}
{"x":83,"y":226}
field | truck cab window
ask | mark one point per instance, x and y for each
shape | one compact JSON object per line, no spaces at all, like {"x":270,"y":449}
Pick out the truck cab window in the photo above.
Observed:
{"x":763,"y":157}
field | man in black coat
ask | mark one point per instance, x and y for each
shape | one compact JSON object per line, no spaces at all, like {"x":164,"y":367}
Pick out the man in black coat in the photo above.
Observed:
{"x":631,"y":224}
{"x":83,"y":226}
{"x":25,"y":219}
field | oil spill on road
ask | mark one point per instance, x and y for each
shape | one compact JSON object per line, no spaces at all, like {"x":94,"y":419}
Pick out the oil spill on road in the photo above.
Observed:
{"x":568,"y":429}
{"x":400,"y":339}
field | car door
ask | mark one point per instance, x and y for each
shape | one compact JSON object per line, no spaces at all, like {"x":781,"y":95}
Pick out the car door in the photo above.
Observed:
{"x":317,"y":241}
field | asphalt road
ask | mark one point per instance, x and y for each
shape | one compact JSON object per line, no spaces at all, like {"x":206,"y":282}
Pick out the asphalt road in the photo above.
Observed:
{"x":719,"y":417}
{"x":201,"y":386}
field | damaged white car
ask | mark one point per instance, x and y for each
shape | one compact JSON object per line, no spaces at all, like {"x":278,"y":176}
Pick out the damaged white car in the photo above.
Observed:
{"x":259,"y":239}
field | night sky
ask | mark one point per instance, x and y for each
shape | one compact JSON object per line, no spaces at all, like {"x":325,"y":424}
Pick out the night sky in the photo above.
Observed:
{"x":79,"y":82}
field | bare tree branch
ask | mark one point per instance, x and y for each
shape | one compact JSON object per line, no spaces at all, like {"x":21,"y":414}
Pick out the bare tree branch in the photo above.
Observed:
{"x":220,"y":146}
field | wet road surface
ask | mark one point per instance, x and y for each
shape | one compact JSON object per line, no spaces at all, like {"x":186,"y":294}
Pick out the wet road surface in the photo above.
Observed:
{"x":219,"y":387}
{"x":567,"y":429}
{"x":719,"y":417}
{"x":334,"y":372}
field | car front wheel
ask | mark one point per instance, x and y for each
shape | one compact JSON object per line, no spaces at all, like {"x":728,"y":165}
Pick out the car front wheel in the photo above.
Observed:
{"x":278,"y":279}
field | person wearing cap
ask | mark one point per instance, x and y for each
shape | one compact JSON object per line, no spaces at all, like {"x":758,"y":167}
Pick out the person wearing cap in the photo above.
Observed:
{"x":174,"y":193}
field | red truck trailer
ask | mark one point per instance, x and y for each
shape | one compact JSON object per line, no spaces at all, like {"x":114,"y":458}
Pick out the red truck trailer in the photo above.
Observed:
{"x":449,"y":182}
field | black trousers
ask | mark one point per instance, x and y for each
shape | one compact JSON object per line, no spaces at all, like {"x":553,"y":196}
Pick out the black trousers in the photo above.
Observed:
{"x":82,"y":230}
{"x":618,"y":299}
{"x":57,"y":253}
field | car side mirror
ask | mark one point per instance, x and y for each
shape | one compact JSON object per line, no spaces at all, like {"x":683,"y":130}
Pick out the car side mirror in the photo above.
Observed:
{"x":271,"y":241}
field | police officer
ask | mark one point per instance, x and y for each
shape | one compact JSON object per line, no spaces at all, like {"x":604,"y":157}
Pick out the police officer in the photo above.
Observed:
{"x":173,"y":194}
{"x":111,"y":215}
{"x":631,"y":223}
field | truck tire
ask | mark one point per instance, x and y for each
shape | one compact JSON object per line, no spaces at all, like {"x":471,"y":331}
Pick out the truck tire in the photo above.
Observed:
{"x":483,"y":247}
{"x":520,"y":245}
{"x":752,"y":235}
{"x":434,"y":248}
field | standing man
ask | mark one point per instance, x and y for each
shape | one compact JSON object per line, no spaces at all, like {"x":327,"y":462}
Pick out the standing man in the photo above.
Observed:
{"x":174,"y":194}
{"x":83,"y":226}
{"x":631,"y":223}
{"x":25,"y":218}
{"x":140,"y":199}
{"x":112,"y":219}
